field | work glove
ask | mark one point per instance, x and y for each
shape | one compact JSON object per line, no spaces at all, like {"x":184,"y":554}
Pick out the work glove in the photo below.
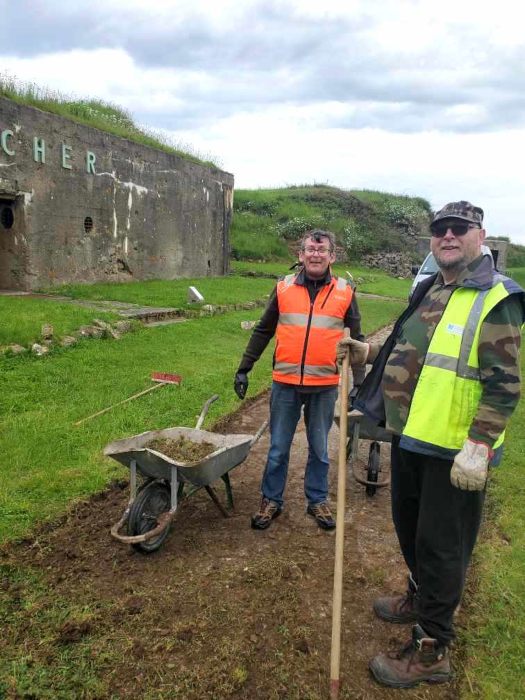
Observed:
{"x":240,"y":384}
{"x":358,"y":351}
{"x":470,"y":468}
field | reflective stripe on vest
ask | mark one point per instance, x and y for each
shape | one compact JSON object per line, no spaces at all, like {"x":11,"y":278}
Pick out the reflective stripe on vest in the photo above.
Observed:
{"x":449,"y":388}
{"x":307,"y":334}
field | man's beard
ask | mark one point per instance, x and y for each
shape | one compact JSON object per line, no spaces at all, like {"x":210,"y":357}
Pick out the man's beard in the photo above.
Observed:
{"x":451,"y":265}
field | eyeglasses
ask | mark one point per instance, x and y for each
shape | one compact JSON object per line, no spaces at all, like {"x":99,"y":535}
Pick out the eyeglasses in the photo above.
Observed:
{"x":440,"y":228}
{"x":320,"y":251}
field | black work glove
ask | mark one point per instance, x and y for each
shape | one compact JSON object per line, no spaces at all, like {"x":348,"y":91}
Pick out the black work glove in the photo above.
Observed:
{"x":240,"y":384}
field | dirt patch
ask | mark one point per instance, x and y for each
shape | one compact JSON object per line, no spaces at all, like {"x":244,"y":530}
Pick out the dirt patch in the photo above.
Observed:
{"x":182,"y":449}
{"x":72,"y":631}
{"x":221,"y":610}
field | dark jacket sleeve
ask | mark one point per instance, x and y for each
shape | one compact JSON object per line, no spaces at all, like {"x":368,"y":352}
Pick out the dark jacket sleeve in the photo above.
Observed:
{"x":261,"y":335}
{"x":353,"y":320}
{"x":499,"y":363}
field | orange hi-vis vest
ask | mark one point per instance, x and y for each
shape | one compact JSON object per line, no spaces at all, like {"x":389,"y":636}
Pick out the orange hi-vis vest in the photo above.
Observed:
{"x":307,"y":332}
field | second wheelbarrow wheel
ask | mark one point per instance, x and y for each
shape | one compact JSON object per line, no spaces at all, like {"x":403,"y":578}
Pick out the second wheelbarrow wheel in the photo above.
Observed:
{"x":372,"y":473}
{"x":152,"y":500}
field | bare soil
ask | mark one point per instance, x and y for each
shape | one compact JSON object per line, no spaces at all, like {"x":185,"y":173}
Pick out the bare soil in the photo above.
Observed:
{"x":221,"y":610}
{"x":182,"y":449}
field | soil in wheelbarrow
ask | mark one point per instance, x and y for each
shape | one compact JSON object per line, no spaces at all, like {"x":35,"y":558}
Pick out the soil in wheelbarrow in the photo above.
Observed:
{"x":182,"y":449}
{"x":220,"y":611}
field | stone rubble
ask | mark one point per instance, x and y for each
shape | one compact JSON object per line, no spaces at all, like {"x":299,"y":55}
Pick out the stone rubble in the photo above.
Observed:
{"x":396,"y":264}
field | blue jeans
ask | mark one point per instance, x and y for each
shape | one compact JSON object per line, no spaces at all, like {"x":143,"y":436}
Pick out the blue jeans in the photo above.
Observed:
{"x":285,"y":411}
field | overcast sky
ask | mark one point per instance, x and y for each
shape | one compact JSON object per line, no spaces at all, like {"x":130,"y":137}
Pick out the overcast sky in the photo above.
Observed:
{"x":413,"y":97}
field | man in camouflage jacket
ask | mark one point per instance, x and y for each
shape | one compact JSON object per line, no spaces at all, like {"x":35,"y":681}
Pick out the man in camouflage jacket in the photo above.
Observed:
{"x":438,"y":487}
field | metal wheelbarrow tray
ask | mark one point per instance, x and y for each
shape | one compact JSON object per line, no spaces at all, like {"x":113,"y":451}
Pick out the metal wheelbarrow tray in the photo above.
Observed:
{"x":151,"y":508}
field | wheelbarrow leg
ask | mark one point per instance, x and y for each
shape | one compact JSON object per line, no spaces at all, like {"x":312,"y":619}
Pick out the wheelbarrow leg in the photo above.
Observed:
{"x":214,"y":498}
{"x":174,"y":489}
{"x":132,"y":480}
{"x":229,"y":492}
{"x":132,"y":497}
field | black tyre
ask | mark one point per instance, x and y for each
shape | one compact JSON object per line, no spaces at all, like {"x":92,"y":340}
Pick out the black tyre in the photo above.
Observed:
{"x":372,"y":472}
{"x":153,"y":499}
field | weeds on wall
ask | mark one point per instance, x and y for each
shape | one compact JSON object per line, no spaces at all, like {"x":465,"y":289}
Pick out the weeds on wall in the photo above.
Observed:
{"x":96,"y":113}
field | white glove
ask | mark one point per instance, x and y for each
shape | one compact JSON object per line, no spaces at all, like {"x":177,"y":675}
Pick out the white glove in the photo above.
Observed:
{"x":470,"y":468}
{"x":358,"y":351}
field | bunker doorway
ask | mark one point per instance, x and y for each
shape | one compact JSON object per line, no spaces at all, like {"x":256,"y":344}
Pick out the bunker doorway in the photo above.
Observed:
{"x":13,"y":250}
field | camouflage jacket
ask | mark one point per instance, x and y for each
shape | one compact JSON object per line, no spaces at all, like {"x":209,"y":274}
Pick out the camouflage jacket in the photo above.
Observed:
{"x":386,"y":395}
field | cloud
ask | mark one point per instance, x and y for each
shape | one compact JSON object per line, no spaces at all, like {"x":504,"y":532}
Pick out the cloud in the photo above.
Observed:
{"x":386,"y":66}
{"x":386,"y":94}
{"x":281,"y":146}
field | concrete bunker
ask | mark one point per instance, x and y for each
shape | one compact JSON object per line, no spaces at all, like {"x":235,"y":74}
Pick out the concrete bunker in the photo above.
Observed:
{"x":80,"y":205}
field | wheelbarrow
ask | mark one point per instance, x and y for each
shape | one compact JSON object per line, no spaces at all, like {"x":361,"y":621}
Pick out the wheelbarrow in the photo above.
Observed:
{"x":166,"y":482}
{"x":361,"y":427}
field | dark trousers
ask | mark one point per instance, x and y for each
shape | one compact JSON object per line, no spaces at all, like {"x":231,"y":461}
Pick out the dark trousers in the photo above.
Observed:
{"x":437,"y":526}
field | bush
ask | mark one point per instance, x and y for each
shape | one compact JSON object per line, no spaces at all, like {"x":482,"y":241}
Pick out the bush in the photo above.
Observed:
{"x":263,"y":208}
{"x":291,"y":230}
{"x":404,"y":214}
{"x":356,"y":241}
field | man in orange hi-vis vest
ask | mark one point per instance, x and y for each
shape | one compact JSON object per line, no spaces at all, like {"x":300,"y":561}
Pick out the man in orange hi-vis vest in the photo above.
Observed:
{"x":307,"y":313}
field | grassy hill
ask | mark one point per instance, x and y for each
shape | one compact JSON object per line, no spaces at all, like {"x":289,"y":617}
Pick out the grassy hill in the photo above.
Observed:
{"x":267,"y":223}
{"x":515,"y":255}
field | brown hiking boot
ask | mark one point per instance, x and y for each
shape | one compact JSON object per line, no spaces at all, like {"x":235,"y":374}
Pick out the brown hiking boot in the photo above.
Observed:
{"x":268,"y":510}
{"x":399,"y":608}
{"x":422,"y":659}
{"x":322,"y":514}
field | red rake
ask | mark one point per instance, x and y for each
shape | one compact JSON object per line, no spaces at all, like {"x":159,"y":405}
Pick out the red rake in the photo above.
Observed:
{"x":161,"y":378}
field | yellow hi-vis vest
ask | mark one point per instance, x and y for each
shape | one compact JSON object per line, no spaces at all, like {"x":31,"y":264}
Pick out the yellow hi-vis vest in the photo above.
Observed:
{"x":449,"y":388}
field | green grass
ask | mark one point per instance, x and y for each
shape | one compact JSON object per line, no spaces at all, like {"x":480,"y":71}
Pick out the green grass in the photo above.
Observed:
{"x":171,"y":293}
{"x":96,"y":113}
{"x":367,"y":280}
{"x":49,"y":462}
{"x":515,"y":254}
{"x":23,"y":317}
{"x":252,"y":237}
{"x":517,"y":274}
{"x":495,"y":638}
{"x":63,"y":671}
{"x":233,"y":289}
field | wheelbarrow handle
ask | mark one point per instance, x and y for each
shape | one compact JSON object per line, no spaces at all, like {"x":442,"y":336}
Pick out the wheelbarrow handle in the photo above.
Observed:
{"x":260,"y":432}
{"x":205,"y":410}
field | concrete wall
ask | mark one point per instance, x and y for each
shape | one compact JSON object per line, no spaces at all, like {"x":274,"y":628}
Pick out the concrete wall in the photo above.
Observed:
{"x":102,"y":208}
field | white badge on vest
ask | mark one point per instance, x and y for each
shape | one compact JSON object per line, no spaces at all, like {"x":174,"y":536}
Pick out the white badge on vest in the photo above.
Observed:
{"x":455,"y":329}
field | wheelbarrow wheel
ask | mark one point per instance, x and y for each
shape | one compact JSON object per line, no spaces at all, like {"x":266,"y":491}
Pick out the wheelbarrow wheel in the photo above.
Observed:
{"x":152,"y":500}
{"x":373,"y":468}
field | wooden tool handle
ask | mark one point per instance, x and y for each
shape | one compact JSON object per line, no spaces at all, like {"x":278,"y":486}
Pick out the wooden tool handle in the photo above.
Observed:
{"x":130,"y":398}
{"x":340,"y":532}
